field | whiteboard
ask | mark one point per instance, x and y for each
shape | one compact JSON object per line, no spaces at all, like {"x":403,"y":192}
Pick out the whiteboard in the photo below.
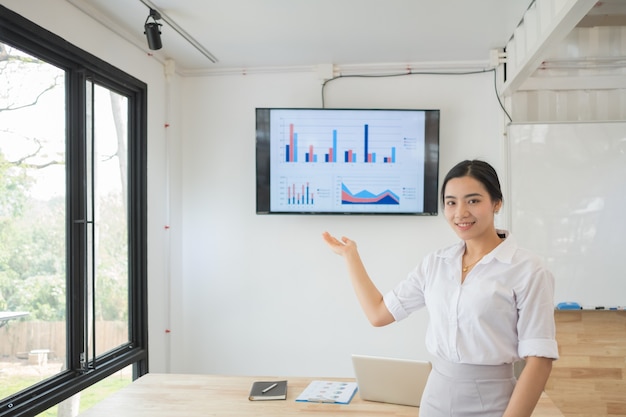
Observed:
{"x":568,"y":198}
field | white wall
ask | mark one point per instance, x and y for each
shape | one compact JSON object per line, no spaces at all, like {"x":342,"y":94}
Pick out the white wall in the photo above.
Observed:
{"x":262,"y":294}
{"x":249,"y":294}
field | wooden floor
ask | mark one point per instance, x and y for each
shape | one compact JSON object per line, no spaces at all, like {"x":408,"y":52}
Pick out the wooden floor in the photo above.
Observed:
{"x":589,"y":380}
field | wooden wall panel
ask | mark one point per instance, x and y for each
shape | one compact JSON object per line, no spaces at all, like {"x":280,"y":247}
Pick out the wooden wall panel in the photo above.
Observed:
{"x":589,"y":379}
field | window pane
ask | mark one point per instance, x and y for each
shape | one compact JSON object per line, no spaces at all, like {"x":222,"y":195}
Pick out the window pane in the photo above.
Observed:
{"x":110,"y":129}
{"x":92,"y":395}
{"x":70,"y":242}
{"x":32,"y":220}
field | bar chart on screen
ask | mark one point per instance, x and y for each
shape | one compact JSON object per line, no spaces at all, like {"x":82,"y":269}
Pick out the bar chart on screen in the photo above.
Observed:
{"x":310,"y":193}
{"x":300,"y":194}
{"x":308,"y":142}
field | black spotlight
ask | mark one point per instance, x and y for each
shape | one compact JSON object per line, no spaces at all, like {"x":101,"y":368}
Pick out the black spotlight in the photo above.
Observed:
{"x":152,"y":31}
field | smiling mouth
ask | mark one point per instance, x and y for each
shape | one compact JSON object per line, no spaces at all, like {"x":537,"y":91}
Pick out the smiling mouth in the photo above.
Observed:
{"x":465,"y":225}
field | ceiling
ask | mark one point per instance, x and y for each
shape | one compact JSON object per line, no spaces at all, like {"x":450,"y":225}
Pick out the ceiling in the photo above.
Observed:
{"x":249,"y":34}
{"x":256,"y":35}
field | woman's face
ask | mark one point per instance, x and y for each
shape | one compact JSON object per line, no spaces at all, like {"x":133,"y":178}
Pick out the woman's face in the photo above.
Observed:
{"x":468,"y":208}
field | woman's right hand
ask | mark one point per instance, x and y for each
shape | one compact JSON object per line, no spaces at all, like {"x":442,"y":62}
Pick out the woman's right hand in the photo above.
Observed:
{"x":340,"y":247}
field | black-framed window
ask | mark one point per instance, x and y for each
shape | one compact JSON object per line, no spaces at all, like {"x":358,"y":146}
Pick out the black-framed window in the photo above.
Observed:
{"x":73,"y":207}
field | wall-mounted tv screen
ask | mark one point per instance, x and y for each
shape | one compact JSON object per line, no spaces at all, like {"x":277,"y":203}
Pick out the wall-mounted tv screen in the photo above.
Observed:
{"x":347,"y":161}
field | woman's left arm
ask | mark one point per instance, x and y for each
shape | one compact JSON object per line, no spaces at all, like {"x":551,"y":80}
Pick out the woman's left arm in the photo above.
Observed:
{"x":529,"y":387}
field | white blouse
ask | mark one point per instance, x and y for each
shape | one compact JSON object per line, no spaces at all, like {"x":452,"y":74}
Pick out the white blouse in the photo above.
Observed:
{"x":503,"y":311}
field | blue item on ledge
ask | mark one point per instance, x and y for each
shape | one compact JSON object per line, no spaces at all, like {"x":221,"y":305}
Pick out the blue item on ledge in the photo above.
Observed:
{"x":568,"y":306}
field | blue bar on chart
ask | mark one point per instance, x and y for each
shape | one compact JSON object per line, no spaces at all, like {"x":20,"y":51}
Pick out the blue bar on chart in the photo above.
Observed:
{"x":366,"y":143}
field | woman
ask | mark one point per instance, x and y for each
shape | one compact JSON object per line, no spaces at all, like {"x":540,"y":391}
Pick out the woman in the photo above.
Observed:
{"x":490,"y":303}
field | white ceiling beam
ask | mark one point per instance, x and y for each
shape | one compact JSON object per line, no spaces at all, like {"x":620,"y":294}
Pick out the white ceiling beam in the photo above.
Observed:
{"x":560,"y":25}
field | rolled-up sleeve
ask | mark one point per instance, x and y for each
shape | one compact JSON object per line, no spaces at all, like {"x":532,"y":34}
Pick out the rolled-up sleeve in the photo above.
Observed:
{"x":394,"y":306}
{"x":545,"y":348}
{"x":536,"y":327}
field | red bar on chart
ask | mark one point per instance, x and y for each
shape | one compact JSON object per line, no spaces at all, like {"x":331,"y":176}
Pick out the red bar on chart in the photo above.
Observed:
{"x":310,"y":155}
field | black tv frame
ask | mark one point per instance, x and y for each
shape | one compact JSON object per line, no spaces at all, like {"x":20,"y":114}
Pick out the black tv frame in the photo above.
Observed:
{"x":431,"y":163}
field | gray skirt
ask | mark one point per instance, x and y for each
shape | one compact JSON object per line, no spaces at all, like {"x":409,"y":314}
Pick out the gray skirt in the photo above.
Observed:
{"x":463,"y":390}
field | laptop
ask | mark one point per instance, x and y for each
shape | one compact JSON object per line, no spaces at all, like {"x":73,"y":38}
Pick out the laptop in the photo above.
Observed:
{"x":389,"y":380}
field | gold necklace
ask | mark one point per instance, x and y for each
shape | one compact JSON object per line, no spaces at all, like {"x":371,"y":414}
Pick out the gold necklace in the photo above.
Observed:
{"x":467,"y":267}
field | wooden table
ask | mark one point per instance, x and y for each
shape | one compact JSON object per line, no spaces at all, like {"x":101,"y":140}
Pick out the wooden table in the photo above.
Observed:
{"x":172,"y":395}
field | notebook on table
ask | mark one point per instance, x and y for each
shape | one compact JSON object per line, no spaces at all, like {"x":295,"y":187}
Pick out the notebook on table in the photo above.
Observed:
{"x":390,"y":380}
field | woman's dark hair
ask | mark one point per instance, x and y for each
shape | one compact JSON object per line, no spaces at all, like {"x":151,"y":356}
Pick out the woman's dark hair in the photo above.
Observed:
{"x":480,"y":171}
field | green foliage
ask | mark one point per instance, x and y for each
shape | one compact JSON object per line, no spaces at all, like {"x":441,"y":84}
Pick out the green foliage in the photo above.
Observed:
{"x":13,"y":186}
{"x":33,"y":251}
{"x":32,"y":261}
{"x":32,"y":265}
